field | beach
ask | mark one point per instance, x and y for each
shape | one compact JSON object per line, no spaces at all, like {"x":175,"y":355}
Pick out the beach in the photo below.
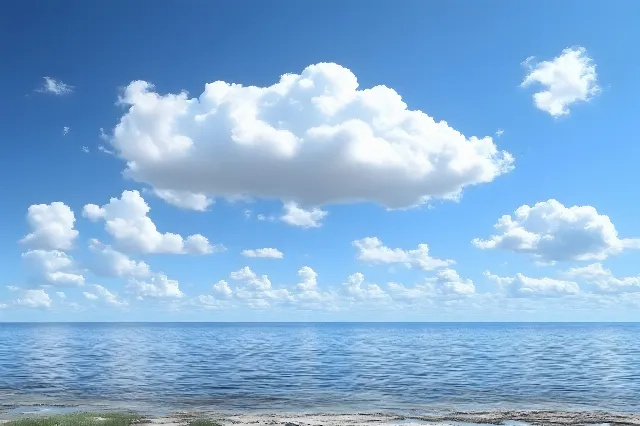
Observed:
{"x":494,"y":417}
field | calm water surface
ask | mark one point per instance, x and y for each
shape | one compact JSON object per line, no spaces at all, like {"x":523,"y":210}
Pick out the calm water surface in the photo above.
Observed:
{"x":324,"y":366}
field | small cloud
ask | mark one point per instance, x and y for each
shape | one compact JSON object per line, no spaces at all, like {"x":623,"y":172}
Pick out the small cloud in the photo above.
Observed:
{"x":247,"y":214}
{"x":103,"y":135}
{"x":56,"y":87}
{"x":85,"y":149}
{"x":499,"y":133}
{"x":105,"y":150}
{"x":294,"y":215}
{"x":65,"y":130}
{"x":266,"y":253}
{"x":567,"y":79}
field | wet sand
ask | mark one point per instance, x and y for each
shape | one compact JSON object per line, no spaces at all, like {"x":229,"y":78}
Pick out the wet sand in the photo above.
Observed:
{"x":493,"y":417}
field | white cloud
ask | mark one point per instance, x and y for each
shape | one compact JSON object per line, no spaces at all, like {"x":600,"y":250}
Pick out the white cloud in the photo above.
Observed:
{"x":127,"y":221}
{"x":267,"y":253}
{"x":372,"y":250}
{"x":295,"y":215}
{"x":552,"y":232}
{"x":264,"y":218}
{"x":499,"y":132}
{"x":523,"y":286}
{"x":90,"y":296}
{"x":51,"y":226}
{"x":56,"y":87}
{"x":222,"y":289}
{"x":101,"y":148}
{"x":53,"y":267}
{"x":101,"y":293}
{"x":61,"y":295}
{"x":112,"y":263}
{"x":34,"y":299}
{"x":447,"y":282}
{"x":312,"y":138}
{"x":567,"y":79}
{"x":184,"y":199}
{"x":157,"y":286}
{"x":85,"y":149}
{"x":257,"y":291}
{"x":604,"y":279}
{"x":13,"y":288}
{"x":65,"y":130}
{"x":356,"y":288}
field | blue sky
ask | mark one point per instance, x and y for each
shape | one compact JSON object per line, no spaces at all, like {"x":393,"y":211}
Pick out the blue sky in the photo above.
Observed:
{"x":505,"y":105}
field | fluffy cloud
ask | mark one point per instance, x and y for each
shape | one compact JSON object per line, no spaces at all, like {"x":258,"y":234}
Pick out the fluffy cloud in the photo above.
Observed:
{"x":294,"y":215}
{"x":158,"y":286}
{"x":65,"y":130}
{"x":447,"y":282}
{"x":256,"y":290}
{"x":52,"y":267}
{"x":567,"y":79}
{"x":127,"y":221}
{"x":34,"y":299}
{"x":51,"y":226}
{"x":100,"y":293}
{"x":112,"y":263}
{"x":522,"y":286}
{"x":222,"y":289}
{"x":268,"y":253}
{"x":313,"y":139}
{"x":184,"y":199}
{"x":358,"y":289}
{"x":552,"y":232}
{"x":604,"y":279}
{"x":372,"y":250}
{"x":55,"y":87}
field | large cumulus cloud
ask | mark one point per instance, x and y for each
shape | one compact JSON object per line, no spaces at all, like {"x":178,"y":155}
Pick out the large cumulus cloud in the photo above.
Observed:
{"x":313,"y":139}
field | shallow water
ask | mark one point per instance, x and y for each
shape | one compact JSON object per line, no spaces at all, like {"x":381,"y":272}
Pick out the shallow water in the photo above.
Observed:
{"x":415,"y":368}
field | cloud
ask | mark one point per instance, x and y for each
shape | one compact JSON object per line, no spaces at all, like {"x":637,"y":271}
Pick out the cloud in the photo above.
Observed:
{"x":56,"y":87}
{"x":61,"y":295}
{"x":51,"y":226}
{"x":222,"y":289}
{"x":158,"y":286}
{"x":372,"y":250}
{"x":567,"y":79}
{"x":267,"y":253}
{"x":357,"y":289}
{"x":65,"y":130}
{"x":294,"y":215}
{"x":522,"y":286}
{"x":85,"y":149}
{"x":552,"y":232}
{"x":13,"y":288}
{"x":184,"y":199}
{"x":256,"y":290}
{"x":447,"y":282}
{"x":112,"y":263}
{"x":312,"y":139}
{"x":127,"y":221}
{"x":34,"y":299}
{"x":102,"y":294}
{"x":604,"y":279}
{"x":499,"y":132}
{"x":52,"y":267}
{"x":101,"y":148}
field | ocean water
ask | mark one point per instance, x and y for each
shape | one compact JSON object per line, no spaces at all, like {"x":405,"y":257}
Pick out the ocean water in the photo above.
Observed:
{"x":323,"y":367}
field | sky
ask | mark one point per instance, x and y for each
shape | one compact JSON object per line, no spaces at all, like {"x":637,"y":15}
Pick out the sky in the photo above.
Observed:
{"x":319,"y":161}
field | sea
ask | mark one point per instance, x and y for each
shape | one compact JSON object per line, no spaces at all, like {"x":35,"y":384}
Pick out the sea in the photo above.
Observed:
{"x":322,"y":367}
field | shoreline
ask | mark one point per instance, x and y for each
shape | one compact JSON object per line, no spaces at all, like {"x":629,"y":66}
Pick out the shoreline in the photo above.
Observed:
{"x":15,"y":416}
